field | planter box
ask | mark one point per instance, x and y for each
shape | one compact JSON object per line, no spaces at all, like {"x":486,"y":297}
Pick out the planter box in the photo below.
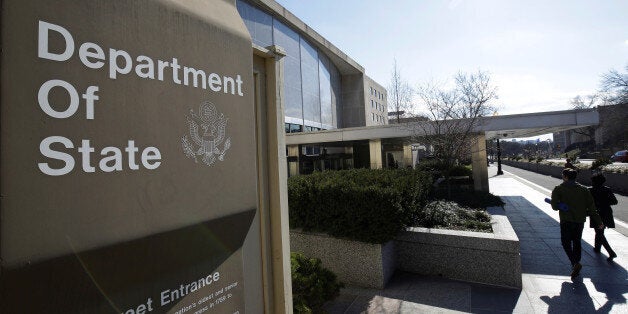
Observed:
{"x":489,"y":258}
{"x":355,"y":263}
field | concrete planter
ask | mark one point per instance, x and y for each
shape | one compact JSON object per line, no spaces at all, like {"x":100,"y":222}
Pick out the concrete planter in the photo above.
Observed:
{"x":489,"y":258}
{"x":355,"y":263}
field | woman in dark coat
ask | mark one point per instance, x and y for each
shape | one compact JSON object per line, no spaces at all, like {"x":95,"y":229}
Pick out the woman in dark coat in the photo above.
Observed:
{"x":604,"y":198}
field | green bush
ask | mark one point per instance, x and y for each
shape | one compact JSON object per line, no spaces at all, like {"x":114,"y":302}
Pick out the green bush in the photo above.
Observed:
{"x":360,"y":204}
{"x":459,"y":171}
{"x":431,"y":165}
{"x":312,"y":284}
{"x":469,"y":198}
{"x":444,"y":214}
{"x":539,"y":159}
{"x":602,"y":161}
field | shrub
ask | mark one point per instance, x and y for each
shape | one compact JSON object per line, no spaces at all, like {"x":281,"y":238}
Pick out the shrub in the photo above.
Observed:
{"x":312,"y":284}
{"x":450,"y":215}
{"x":539,"y":159}
{"x":470,"y":198}
{"x":360,"y":204}
{"x":602,"y":161}
{"x":431,"y":165}
{"x":459,"y":171}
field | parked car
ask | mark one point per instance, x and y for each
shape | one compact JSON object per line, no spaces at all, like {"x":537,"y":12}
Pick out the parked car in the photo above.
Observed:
{"x":620,"y":156}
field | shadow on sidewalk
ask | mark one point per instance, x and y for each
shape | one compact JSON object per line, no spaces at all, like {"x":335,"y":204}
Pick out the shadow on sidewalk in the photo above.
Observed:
{"x":542,"y":254}
{"x":412,"y":293}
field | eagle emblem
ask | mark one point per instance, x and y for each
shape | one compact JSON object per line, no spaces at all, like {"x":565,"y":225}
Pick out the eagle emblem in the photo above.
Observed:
{"x":206,"y":135}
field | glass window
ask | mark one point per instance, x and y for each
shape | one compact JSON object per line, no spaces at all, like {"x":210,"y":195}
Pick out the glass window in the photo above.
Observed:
{"x":294,"y":128}
{"x":327,"y":116}
{"x":335,"y":96}
{"x":373,"y":116}
{"x":258,"y":23}
{"x":287,"y":125}
{"x":310,"y":83}
{"x":289,"y":40}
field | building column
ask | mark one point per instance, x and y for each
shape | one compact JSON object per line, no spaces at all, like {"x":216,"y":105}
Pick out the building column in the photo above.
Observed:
{"x":407,"y":156}
{"x":480,"y":169}
{"x":375,"y":150}
{"x":293,"y":167}
{"x":272,"y":184}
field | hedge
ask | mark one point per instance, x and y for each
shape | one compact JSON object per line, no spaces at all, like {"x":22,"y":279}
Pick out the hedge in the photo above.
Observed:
{"x":360,"y":204}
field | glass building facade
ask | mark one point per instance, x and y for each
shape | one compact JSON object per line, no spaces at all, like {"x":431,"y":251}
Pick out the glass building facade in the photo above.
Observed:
{"x":311,"y":81}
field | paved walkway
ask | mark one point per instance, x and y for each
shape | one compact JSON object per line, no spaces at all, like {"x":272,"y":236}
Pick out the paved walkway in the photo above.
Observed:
{"x":602,"y":287}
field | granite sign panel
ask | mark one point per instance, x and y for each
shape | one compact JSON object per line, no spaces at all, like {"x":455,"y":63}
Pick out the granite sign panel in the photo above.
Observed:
{"x":128,"y":161}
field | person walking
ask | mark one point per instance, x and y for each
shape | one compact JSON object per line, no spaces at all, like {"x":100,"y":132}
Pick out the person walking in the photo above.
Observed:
{"x":574,"y":203}
{"x":603,"y":198}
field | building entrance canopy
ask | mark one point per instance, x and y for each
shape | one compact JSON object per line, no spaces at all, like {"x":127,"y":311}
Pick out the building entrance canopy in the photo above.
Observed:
{"x":500,"y":127}
{"x":507,"y":126}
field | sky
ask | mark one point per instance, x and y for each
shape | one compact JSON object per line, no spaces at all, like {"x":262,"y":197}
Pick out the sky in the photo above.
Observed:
{"x":540,"y":54}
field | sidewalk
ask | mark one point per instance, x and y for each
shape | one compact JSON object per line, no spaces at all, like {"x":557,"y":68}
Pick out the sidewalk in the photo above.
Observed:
{"x":602,"y":287}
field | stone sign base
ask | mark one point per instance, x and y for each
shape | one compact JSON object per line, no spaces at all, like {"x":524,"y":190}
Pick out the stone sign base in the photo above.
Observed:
{"x":355,"y":263}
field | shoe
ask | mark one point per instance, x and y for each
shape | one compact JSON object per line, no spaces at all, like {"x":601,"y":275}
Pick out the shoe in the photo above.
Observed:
{"x":575,"y":271}
{"x":611,"y":256}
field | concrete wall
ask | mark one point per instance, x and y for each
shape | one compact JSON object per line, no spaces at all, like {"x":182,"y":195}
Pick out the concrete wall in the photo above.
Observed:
{"x":489,"y":258}
{"x":616,"y":181}
{"x":353,"y":101}
{"x":355,"y":263}
{"x":375,"y":105}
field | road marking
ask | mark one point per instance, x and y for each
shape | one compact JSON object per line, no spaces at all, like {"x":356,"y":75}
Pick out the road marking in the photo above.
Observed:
{"x":528,"y":182}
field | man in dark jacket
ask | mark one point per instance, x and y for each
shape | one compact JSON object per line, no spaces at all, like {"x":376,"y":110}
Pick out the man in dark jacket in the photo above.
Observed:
{"x":575,"y":203}
{"x":604,"y":198}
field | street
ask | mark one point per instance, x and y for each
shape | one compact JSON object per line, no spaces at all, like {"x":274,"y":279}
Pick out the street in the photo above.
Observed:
{"x":546,"y":184}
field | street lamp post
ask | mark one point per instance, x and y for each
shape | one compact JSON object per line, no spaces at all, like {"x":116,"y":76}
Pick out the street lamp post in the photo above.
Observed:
{"x":499,"y":159}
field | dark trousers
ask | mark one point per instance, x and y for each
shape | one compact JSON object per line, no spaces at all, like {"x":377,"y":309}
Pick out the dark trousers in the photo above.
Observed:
{"x":571,"y":239}
{"x":600,"y":240}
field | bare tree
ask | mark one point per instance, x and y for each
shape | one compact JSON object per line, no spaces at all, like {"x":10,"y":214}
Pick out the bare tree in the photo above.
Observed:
{"x":454,"y":114}
{"x":400,"y":93}
{"x":586,"y":102}
{"x":614,"y":86}
{"x":589,"y":101}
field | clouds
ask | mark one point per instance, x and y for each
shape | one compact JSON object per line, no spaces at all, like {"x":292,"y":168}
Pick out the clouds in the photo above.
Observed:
{"x":526,"y":93}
